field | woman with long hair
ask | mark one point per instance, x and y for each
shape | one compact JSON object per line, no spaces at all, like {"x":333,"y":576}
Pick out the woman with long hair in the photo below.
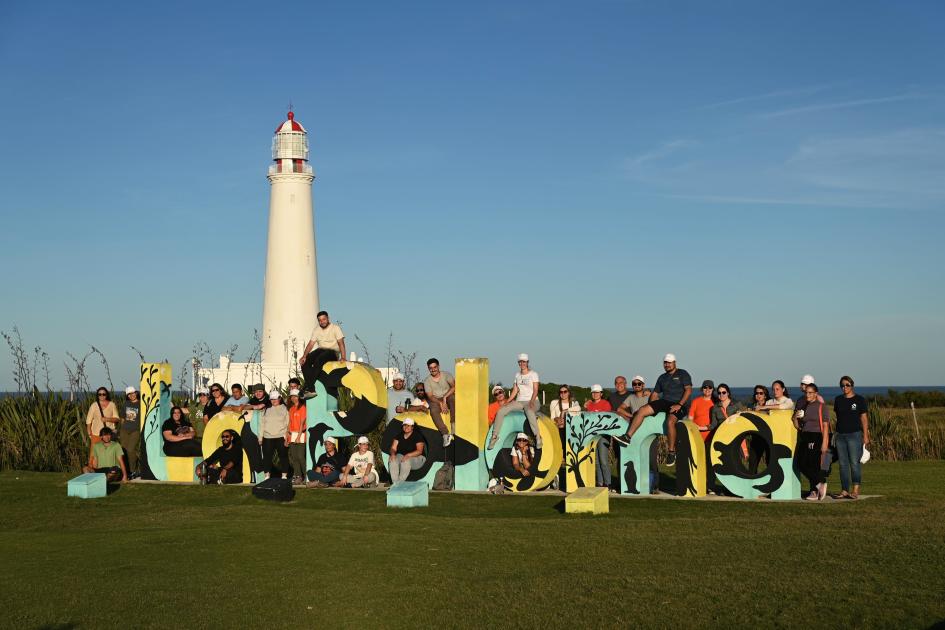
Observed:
{"x":559,"y":408}
{"x":295,"y":438}
{"x":179,"y":436}
{"x":102,"y":413}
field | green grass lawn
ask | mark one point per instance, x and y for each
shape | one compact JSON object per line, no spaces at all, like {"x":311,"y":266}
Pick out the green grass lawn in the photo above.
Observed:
{"x":201,"y":557}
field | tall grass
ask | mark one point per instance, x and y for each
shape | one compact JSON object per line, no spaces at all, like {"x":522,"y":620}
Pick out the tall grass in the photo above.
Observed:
{"x":895,"y":437}
{"x":42,"y":432}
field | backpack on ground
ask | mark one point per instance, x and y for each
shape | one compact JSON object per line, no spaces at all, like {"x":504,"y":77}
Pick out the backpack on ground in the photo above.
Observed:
{"x":443,"y":480}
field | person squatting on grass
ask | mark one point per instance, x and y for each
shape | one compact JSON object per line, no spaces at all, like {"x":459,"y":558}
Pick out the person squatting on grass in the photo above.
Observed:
{"x":359,"y":471}
{"x":813,"y":442}
{"x":525,"y":398}
{"x":225,"y":465}
{"x":852,"y":436}
{"x":106,"y":458}
{"x":327,"y":469}
{"x":179,"y":436}
{"x":273,"y":431}
{"x":406,"y":452}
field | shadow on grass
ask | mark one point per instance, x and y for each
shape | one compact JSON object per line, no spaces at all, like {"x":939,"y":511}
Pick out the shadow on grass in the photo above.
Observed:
{"x":59,"y":626}
{"x":110,"y":489}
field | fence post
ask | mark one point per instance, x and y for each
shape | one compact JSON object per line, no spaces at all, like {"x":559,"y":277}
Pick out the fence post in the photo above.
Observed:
{"x":915,"y":421}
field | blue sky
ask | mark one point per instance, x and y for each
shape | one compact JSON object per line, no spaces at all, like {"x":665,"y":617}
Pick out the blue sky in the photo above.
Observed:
{"x":756,"y":187}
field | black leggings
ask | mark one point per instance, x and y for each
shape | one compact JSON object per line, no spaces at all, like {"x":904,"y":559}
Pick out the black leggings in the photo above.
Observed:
{"x":275,"y":445}
{"x":184,"y":448}
{"x":807,"y":457}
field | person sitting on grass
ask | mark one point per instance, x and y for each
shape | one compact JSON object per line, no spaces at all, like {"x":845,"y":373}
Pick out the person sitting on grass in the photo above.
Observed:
{"x":406,"y":452}
{"x":179,"y":436}
{"x":328,"y":467}
{"x":523,"y":457}
{"x":107,"y":458}
{"x":359,"y":471}
{"x":225,"y":465}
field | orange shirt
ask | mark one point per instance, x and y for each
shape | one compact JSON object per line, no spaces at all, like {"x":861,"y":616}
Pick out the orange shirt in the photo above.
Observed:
{"x":493,"y":410}
{"x":699,"y":413}
{"x":297,"y":424}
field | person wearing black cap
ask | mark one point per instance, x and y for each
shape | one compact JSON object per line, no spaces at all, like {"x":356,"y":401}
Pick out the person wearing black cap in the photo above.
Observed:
{"x":259,"y":400}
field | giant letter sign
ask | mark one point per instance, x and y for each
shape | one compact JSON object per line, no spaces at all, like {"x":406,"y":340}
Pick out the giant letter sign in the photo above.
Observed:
{"x":581,"y":432}
{"x":777,"y":430}
{"x":155,"y":409}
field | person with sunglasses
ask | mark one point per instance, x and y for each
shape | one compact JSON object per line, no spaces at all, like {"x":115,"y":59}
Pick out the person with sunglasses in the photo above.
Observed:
{"x":670,"y":396}
{"x":638,"y":398}
{"x":597,"y":403}
{"x":501,"y":400}
{"x":524,"y":398}
{"x":225,"y":465}
{"x":102,"y":413}
{"x":523,"y":456}
{"x":853,"y":435}
{"x":701,"y":408}
{"x":760,"y":398}
{"x":559,"y":408}
{"x":724,"y":407}
{"x":216,"y":403}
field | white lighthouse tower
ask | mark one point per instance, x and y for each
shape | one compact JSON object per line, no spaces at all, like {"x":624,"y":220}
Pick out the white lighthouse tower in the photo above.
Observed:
{"x":291,"y":283}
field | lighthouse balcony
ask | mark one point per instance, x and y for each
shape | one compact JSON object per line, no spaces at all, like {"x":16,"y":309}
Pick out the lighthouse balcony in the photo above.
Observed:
{"x":275,"y":169}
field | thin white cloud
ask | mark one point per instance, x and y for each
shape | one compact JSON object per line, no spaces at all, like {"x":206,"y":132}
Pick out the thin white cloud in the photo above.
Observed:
{"x":661,"y":152}
{"x":787,"y":93}
{"x":819,"y":107}
{"x":780,"y":201}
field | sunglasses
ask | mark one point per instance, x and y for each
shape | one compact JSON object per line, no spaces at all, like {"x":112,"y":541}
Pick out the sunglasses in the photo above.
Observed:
{"x":845,"y":385}
{"x":706,"y":387}
{"x":637,"y":384}
{"x":722,"y":392}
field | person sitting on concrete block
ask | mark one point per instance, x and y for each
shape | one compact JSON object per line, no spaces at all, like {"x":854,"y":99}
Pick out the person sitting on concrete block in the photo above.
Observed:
{"x":107,"y":458}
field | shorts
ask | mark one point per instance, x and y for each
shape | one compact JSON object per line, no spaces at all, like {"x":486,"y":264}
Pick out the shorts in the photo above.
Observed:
{"x":662,"y":406}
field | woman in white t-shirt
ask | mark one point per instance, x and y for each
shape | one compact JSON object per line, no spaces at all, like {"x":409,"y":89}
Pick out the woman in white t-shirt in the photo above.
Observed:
{"x":359,"y":471}
{"x":523,"y":456}
{"x":780,"y":398}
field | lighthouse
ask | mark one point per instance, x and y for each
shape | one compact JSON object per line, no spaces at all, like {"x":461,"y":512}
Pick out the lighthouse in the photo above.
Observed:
{"x":291,"y":282}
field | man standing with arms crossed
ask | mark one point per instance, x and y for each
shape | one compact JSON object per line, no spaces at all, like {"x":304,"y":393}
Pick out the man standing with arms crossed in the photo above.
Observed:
{"x":327,"y":344}
{"x":670,"y":396}
{"x":524,"y":398}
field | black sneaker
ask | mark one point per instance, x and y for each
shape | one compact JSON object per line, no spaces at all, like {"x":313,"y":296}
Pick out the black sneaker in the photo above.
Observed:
{"x":671,"y":458}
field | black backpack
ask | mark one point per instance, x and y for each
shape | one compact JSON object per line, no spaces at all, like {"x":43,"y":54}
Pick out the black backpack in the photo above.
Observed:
{"x":443,"y":480}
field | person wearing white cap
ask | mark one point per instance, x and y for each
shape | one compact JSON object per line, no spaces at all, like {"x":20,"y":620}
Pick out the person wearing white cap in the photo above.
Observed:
{"x":406,"y":452}
{"x":398,"y":396}
{"x":129,"y":432}
{"x":441,"y":387}
{"x":273,"y":430}
{"x":602,"y":460}
{"x":524,"y":398}
{"x":359,"y":471}
{"x":811,"y":455}
{"x":498,"y":392}
{"x":801,"y":402}
{"x":523,"y":456}
{"x":327,"y":468}
{"x":296,"y":436}
{"x":639,"y":397}
{"x":670,"y":396}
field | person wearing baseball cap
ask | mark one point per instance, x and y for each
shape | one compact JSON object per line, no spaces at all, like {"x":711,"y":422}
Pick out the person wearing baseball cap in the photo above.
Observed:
{"x":524,"y":398}
{"x":297,"y":435}
{"x":129,"y":431}
{"x":523,"y":456}
{"x":701,"y":408}
{"x":801,"y":402}
{"x":500,"y":400}
{"x":273,"y":430}
{"x":602,"y":460}
{"x":360,"y":472}
{"x":406,"y":452}
{"x":670,"y":396}
{"x":639,"y":397}
{"x":327,"y":469}
{"x":398,"y":396}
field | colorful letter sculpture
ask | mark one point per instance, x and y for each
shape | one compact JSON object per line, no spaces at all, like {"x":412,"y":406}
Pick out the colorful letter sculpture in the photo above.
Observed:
{"x":776,"y":429}
{"x":690,"y":460}
{"x":635,"y":458}
{"x":587,"y":500}
{"x":581,"y":431}
{"x":547,"y":459}
{"x":472,"y":426}
{"x":215,"y":428}
{"x":155,"y":409}
{"x":369,"y":395}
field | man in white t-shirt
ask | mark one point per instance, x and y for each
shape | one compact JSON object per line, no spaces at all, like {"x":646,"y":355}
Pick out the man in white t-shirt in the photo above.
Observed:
{"x":524,"y":398}
{"x":359,"y":471}
{"x":326,"y":344}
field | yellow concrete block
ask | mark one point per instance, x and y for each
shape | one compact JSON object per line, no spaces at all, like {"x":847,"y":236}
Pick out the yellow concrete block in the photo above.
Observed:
{"x":588,"y":500}
{"x":181,"y":468}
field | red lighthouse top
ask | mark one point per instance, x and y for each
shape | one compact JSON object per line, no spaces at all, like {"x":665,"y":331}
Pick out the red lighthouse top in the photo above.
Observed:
{"x":290,"y":124}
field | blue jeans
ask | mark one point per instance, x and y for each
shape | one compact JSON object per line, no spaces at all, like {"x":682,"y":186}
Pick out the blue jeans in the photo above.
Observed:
{"x":602,"y":462}
{"x":330,"y":478}
{"x":849,"y":450}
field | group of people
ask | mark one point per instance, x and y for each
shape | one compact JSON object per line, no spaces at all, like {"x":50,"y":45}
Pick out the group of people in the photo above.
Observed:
{"x":283,"y":430}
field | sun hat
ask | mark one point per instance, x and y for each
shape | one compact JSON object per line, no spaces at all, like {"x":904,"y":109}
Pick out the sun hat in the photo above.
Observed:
{"x":363,"y":440}
{"x":596,"y":388}
{"x":293,"y":392}
{"x":409,"y":421}
{"x":807,"y":379}
{"x":521,"y":436}
{"x":670,"y":357}
{"x":274,"y":395}
{"x":866,"y":455}
{"x":523,"y":357}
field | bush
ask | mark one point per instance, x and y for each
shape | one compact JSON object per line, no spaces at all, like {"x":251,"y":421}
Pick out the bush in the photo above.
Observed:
{"x":42,"y":432}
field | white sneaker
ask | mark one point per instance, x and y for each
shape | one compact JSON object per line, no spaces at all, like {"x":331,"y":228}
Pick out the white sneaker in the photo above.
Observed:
{"x":447,"y":438}
{"x":812,"y":496}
